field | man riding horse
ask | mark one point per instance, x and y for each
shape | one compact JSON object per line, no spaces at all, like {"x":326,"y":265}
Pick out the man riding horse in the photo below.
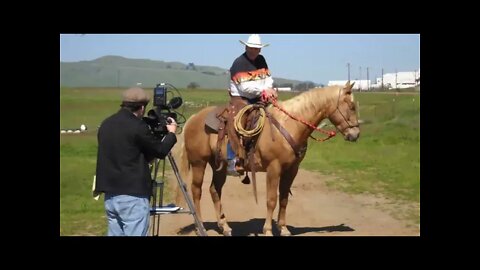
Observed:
{"x":250,"y":78}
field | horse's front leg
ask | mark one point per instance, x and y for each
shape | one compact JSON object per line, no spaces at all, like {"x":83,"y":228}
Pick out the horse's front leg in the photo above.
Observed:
{"x":286,"y":181}
{"x":218,"y":180}
{"x":273,"y":178}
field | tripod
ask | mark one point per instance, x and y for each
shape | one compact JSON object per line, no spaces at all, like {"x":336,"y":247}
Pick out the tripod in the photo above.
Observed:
{"x":159,"y":209}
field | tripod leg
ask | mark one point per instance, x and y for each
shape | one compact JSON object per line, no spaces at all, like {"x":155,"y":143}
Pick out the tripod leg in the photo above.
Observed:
{"x":157,"y":197}
{"x":183,"y":188}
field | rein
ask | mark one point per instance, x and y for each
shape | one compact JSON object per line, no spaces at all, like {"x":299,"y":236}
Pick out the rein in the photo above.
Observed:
{"x":274,"y":103}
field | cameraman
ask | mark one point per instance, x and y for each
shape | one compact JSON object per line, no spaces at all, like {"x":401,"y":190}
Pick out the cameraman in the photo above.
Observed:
{"x":125,"y":147}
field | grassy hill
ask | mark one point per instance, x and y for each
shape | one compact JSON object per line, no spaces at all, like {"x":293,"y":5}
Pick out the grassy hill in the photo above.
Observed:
{"x":116,"y":71}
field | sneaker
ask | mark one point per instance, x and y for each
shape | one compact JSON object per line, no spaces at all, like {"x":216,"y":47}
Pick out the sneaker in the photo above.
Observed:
{"x":231,"y":171}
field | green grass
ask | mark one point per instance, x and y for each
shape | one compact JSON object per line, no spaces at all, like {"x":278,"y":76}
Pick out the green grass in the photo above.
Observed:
{"x":386,"y":158}
{"x":77,"y":167}
{"x":385,"y":161}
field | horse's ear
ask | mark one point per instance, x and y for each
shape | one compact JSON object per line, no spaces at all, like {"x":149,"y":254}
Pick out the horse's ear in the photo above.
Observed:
{"x":348,"y":87}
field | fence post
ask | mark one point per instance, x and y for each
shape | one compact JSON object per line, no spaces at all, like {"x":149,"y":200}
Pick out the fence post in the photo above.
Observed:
{"x":358,"y":109}
{"x":393,"y":109}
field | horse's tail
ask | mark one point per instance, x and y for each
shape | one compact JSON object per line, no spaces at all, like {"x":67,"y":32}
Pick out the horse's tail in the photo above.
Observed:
{"x":184,"y":168}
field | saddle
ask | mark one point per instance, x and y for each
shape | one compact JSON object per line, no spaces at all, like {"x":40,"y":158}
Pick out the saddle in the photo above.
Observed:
{"x":221,"y":121}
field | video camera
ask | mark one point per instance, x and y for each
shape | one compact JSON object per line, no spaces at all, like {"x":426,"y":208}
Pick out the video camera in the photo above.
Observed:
{"x":157,"y":117}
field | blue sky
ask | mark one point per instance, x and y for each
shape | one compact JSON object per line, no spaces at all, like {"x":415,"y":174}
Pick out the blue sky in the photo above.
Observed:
{"x":307,"y":57}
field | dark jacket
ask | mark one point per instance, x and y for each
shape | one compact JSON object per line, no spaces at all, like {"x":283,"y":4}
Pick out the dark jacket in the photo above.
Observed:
{"x":125,"y":145}
{"x":244,"y":64}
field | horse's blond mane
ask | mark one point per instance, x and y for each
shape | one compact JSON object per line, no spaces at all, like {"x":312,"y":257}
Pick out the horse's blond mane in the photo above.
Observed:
{"x":310,"y":101}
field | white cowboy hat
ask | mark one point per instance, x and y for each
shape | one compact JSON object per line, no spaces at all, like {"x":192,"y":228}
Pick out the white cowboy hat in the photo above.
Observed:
{"x":254,"y":42}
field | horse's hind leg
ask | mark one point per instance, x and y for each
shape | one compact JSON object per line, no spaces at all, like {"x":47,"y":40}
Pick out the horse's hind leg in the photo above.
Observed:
{"x":286,"y":181}
{"x":198,"y":171}
{"x":218,"y":180}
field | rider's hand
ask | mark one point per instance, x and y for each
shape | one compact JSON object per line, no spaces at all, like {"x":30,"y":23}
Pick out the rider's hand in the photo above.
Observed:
{"x":271,"y":93}
{"x":172,"y":126}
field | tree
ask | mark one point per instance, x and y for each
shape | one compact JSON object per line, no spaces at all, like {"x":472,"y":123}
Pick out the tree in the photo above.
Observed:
{"x":193,"y":85}
{"x":191,"y":66}
{"x":286,"y":85}
{"x":208,"y":72}
{"x":304,"y":86}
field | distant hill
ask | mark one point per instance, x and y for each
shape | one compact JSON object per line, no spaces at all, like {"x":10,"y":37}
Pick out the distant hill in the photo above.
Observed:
{"x":117,"y":71}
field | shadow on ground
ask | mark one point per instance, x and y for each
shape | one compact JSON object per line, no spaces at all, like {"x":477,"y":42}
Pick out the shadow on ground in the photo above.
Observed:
{"x":255,"y":227}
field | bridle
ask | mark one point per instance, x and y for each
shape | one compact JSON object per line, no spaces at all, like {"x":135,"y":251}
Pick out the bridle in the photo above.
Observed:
{"x":343,"y":116}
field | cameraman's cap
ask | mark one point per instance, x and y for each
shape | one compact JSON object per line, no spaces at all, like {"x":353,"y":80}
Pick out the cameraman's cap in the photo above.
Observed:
{"x":135,"y":95}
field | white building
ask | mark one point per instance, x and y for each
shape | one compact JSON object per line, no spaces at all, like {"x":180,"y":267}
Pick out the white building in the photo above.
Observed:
{"x":403,"y":79}
{"x":284,"y":89}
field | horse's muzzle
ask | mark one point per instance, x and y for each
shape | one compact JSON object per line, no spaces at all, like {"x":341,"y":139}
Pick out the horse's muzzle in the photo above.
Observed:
{"x":352,"y":134}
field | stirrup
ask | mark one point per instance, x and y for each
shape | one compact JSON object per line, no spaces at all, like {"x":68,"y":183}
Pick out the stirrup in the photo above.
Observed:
{"x":231,"y":168}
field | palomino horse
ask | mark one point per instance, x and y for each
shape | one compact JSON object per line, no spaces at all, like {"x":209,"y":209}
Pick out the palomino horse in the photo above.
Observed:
{"x":277,"y":157}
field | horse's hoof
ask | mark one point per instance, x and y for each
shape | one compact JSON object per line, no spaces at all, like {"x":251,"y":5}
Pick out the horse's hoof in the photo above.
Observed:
{"x":284,"y":231}
{"x":246,"y":180}
{"x":224,"y":228}
{"x":267,"y":232}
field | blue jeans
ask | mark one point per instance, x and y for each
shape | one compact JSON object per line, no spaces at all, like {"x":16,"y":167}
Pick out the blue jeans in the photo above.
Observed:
{"x":230,"y":153}
{"x":127,"y":215}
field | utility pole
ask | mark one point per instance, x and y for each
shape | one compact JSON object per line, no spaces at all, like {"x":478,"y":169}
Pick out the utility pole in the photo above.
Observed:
{"x":396,"y":75}
{"x":360,"y":80}
{"x":368,"y":81}
{"x":348,"y":65}
{"x":382,"y":79}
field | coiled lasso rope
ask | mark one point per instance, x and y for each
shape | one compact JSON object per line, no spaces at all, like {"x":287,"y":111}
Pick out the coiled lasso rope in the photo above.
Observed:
{"x":252,"y":132}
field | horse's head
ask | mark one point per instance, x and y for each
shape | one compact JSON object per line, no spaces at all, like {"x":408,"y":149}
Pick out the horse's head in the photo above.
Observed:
{"x":344,"y":115}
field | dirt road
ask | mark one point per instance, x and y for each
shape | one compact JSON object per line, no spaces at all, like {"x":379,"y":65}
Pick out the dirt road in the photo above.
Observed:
{"x":313,"y":210}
